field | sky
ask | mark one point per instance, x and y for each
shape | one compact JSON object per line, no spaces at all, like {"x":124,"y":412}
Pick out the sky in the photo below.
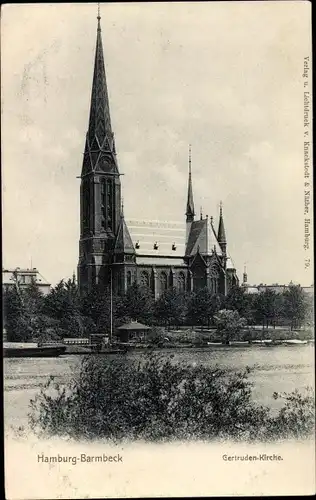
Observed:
{"x":225,"y":77}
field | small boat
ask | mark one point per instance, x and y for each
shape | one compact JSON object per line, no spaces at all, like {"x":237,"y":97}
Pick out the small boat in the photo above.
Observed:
{"x":273,"y":343}
{"x":294,"y":342}
{"x":32,"y":350}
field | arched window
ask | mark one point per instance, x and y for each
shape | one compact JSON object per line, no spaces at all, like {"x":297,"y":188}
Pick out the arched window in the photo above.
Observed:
{"x":110,"y":204}
{"x":103,"y":202}
{"x":214,"y":285}
{"x":144,"y":278}
{"x":181,"y":282}
{"x":129,"y":278}
{"x":86,"y":204}
{"x":163,"y":281}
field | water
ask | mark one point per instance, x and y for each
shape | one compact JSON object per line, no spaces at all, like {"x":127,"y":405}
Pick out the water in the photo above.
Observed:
{"x":279,"y":368}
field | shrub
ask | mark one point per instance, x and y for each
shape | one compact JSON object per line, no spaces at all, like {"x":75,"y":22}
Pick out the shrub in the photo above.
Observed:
{"x":157,"y":400}
{"x":229,"y":324}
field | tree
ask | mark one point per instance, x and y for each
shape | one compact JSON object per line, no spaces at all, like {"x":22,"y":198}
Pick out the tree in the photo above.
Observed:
{"x":14,"y":317}
{"x":139,"y":303}
{"x":236,"y":299}
{"x":171,"y":307}
{"x":23,"y":312}
{"x":229,"y":324}
{"x":267,"y":306}
{"x":95,"y":309}
{"x":63,"y":305}
{"x":295,"y":305}
{"x":277,"y":308}
{"x":202,"y":306}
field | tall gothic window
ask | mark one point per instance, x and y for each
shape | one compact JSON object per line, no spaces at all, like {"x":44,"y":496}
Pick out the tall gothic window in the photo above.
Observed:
{"x":144,"y":278}
{"x":163,"y":281}
{"x":86,"y":205}
{"x":129,"y":278}
{"x":214,"y":284}
{"x":103,"y":203}
{"x":110,"y":204}
{"x":181,"y":281}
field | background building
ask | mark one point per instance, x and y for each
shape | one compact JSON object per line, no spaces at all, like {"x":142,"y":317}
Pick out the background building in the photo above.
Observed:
{"x":159,"y":255}
{"x":275,"y":287}
{"x":23,"y":278}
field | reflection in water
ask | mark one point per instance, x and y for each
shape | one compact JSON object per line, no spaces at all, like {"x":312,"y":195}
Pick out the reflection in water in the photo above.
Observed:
{"x":280,"y":369}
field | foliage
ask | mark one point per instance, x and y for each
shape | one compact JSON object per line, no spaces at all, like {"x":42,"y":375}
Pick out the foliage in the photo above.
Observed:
{"x":295,"y":305}
{"x":229,"y":324}
{"x":63,"y":305}
{"x":171,"y":307}
{"x":296,"y":419}
{"x":236,"y":299}
{"x":13,"y":316}
{"x":64,"y":313}
{"x":139,"y":303}
{"x":202,"y":306}
{"x":23,"y":313}
{"x":157,"y":400}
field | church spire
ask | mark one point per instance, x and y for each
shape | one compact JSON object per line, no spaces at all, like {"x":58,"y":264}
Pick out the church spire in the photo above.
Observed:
{"x":221,"y":236}
{"x":190,"y":204}
{"x":100,"y":133}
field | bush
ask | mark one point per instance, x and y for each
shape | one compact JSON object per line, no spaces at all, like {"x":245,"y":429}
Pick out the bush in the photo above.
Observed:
{"x":157,"y":400}
{"x":229,"y":324}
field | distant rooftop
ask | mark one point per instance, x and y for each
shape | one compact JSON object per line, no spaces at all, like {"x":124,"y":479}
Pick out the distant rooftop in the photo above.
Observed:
{"x":276,"y":287}
{"x":25,"y":276}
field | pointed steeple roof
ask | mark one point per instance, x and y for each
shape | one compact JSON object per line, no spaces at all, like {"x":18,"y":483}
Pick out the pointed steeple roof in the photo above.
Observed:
{"x":190,"y":204}
{"x":221,"y":236}
{"x":123,"y":243}
{"x":100,"y":138}
{"x":100,"y":121}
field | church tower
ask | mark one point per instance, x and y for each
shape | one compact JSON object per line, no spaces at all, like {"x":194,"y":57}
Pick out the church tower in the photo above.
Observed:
{"x":100,"y":190}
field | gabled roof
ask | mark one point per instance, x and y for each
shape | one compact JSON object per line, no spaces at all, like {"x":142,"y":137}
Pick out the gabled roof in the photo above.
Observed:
{"x":203,"y":238}
{"x":198,"y":257}
{"x":134,"y":325}
{"x":169,"y":236}
{"x":123,"y":243}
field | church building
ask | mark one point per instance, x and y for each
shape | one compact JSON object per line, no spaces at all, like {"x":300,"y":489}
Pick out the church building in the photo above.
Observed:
{"x":160,"y":255}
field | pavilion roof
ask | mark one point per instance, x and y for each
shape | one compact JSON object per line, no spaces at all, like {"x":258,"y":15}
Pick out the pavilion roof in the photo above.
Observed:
{"x":134,"y":325}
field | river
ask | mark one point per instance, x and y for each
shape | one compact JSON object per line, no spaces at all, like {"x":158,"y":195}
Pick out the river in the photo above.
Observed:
{"x":278,"y":368}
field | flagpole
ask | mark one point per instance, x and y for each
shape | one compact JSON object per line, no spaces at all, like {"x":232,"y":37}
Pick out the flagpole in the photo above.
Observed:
{"x":111,"y":307}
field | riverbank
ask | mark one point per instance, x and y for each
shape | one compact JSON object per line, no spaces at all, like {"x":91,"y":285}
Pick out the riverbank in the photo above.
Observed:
{"x":141,"y":347}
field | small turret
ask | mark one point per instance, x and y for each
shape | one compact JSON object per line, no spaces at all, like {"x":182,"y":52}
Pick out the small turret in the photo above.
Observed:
{"x":221,"y":235}
{"x":244,"y":277}
{"x":190,"y":204}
